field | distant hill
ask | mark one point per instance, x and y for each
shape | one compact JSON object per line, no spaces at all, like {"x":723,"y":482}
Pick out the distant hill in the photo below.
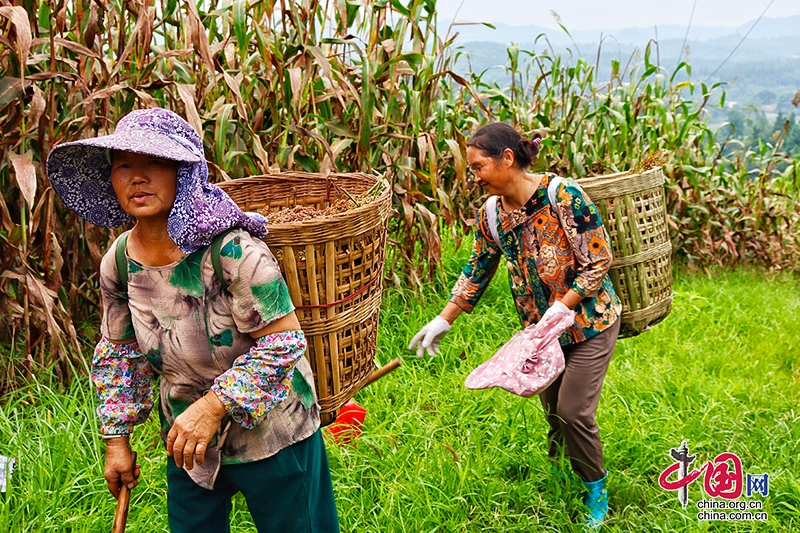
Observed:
{"x":764,"y":72}
{"x":766,"y":28}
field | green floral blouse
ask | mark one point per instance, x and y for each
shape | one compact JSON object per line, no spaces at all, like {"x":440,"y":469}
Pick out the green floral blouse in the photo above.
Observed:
{"x":545,"y":258}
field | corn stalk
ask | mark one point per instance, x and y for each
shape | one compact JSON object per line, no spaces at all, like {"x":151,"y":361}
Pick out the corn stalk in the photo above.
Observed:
{"x":322,"y":85}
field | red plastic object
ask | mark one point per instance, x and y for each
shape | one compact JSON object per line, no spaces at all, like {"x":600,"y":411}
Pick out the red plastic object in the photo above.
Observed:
{"x":348,"y":424}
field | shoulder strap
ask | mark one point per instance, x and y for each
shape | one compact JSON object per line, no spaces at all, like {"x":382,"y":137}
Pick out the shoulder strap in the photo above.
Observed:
{"x":491,"y":219}
{"x":122,"y":262}
{"x":552,"y":193}
{"x":216,"y":246}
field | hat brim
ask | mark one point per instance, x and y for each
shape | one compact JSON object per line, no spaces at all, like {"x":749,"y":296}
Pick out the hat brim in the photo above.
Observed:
{"x":80,"y":171}
{"x":141,"y":142}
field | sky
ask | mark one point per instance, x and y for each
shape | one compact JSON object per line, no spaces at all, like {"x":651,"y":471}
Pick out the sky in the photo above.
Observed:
{"x":611,"y":14}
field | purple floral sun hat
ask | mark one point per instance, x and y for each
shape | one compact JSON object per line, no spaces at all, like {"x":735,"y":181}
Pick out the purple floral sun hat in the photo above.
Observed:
{"x":80,"y":173}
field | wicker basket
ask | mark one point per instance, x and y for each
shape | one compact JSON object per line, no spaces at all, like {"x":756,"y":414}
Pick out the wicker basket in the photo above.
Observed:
{"x":633,"y":211}
{"x":333,"y":267}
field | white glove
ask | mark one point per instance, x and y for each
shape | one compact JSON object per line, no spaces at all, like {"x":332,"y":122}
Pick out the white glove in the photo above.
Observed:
{"x":429,"y":336}
{"x":557,"y":307}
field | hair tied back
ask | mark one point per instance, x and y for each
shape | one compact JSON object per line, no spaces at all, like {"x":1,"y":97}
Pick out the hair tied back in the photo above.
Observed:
{"x":536,"y":142}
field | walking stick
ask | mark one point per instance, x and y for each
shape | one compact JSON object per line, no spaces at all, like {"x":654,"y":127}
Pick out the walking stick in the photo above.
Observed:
{"x":382,"y":371}
{"x":124,"y":500}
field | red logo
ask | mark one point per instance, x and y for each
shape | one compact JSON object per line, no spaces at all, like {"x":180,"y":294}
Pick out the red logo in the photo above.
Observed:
{"x":723,"y":476}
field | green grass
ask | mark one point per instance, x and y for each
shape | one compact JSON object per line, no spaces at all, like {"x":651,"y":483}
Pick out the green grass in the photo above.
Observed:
{"x":722,"y":372}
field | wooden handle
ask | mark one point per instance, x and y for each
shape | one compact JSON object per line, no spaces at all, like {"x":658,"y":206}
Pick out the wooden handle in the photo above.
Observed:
{"x":124,"y":500}
{"x":382,"y":371}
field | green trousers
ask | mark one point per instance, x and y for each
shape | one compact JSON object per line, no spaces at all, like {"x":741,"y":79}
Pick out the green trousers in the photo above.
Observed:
{"x":290,"y":492}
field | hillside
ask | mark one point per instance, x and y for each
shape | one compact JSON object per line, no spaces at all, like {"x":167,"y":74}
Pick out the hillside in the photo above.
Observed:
{"x":764,"y":71}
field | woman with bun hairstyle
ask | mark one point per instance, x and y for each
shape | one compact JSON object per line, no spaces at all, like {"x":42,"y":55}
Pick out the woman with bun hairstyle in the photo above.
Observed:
{"x":558,"y":257}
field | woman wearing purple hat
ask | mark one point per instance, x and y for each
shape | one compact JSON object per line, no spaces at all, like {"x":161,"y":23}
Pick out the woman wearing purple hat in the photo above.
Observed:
{"x":236,"y":396}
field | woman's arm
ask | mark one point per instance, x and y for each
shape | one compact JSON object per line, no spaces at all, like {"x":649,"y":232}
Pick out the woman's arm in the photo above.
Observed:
{"x":123,"y":379}
{"x":258,"y":381}
{"x":261,"y":378}
{"x":122,"y":376}
{"x":450,"y":312}
{"x":571,"y":299}
{"x":286,"y":324}
{"x":477,"y":273}
{"x":467,"y":291}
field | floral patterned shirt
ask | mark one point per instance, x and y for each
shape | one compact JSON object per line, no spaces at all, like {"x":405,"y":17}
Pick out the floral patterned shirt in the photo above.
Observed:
{"x":177,"y":313}
{"x":545,"y":258}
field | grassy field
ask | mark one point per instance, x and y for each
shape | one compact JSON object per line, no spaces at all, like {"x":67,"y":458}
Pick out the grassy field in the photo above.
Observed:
{"x":723,"y":372}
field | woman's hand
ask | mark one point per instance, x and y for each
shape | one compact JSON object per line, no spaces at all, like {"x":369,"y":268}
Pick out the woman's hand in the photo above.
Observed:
{"x":193,"y":430}
{"x":429,"y":336}
{"x":120,"y":469}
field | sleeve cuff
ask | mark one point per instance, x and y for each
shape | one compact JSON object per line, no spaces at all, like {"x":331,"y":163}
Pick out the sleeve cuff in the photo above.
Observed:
{"x":584,"y":292}
{"x":463,"y":304}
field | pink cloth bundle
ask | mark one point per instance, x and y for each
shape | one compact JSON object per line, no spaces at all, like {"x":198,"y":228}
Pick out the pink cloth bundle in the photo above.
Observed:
{"x":529,"y":362}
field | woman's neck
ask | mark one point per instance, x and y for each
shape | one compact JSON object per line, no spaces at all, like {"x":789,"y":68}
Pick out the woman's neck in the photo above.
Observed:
{"x":151,"y":245}
{"x":520,"y":190}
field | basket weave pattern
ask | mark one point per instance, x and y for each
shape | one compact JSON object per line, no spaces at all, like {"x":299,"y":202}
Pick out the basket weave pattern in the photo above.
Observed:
{"x":633,"y":212}
{"x":333,"y":267}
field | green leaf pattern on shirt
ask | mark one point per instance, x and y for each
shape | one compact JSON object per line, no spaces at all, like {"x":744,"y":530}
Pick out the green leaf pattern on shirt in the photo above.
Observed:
{"x":223,"y":339}
{"x":303,"y":389}
{"x":232,"y":249}
{"x":272,"y":299}
{"x":154,"y":357}
{"x":187,"y":275}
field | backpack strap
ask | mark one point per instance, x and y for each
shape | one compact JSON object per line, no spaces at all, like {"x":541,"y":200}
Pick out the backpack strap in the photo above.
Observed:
{"x":491,"y":219}
{"x":552,"y":192}
{"x":122,"y":262}
{"x":216,"y":246}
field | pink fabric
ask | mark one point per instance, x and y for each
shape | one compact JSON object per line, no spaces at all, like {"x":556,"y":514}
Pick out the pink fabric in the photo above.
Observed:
{"x":529,"y":362}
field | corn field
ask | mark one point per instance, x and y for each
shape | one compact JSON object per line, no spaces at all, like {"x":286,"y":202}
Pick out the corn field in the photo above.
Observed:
{"x":324,"y":85}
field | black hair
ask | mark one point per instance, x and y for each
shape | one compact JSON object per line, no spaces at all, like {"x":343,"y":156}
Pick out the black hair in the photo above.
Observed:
{"x":494,"y":138}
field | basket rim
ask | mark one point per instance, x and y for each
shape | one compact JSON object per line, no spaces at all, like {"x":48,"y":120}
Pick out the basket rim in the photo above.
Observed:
{"x":607,"y":179}
{"x":336,"y":218}
{"x":302,"y":175}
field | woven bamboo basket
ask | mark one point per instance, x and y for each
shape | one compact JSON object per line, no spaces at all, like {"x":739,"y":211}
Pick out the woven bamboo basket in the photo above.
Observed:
{"x":333,"y":267}
{"x":633,"y":211}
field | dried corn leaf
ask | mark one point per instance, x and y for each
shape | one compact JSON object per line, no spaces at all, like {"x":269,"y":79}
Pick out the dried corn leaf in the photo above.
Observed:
{"x":90,"y":32}
{"x":19,"y":18}
{"x":186,"y":92}
{"x":8,"y":224}
{"x":57,"y":264}
{"x":233,"y":85}
{"x":198,"y":36}
{"x":43,"y":298}
{"x":25,"y":173}
{"x":37,"y":107}
{"x":10,"y":89}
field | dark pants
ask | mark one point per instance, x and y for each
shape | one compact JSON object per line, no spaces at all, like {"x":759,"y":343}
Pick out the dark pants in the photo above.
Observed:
{"x":290,"y":492}
{"x":570,"y":404}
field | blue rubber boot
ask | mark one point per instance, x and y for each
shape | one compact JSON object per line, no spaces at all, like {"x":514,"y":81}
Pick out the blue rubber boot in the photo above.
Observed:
{"x":596,"y":501}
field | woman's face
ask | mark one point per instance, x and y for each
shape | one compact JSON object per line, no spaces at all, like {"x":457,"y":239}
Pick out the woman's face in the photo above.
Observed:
{"x":492,"y":174}
{"x":145,"y":185}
